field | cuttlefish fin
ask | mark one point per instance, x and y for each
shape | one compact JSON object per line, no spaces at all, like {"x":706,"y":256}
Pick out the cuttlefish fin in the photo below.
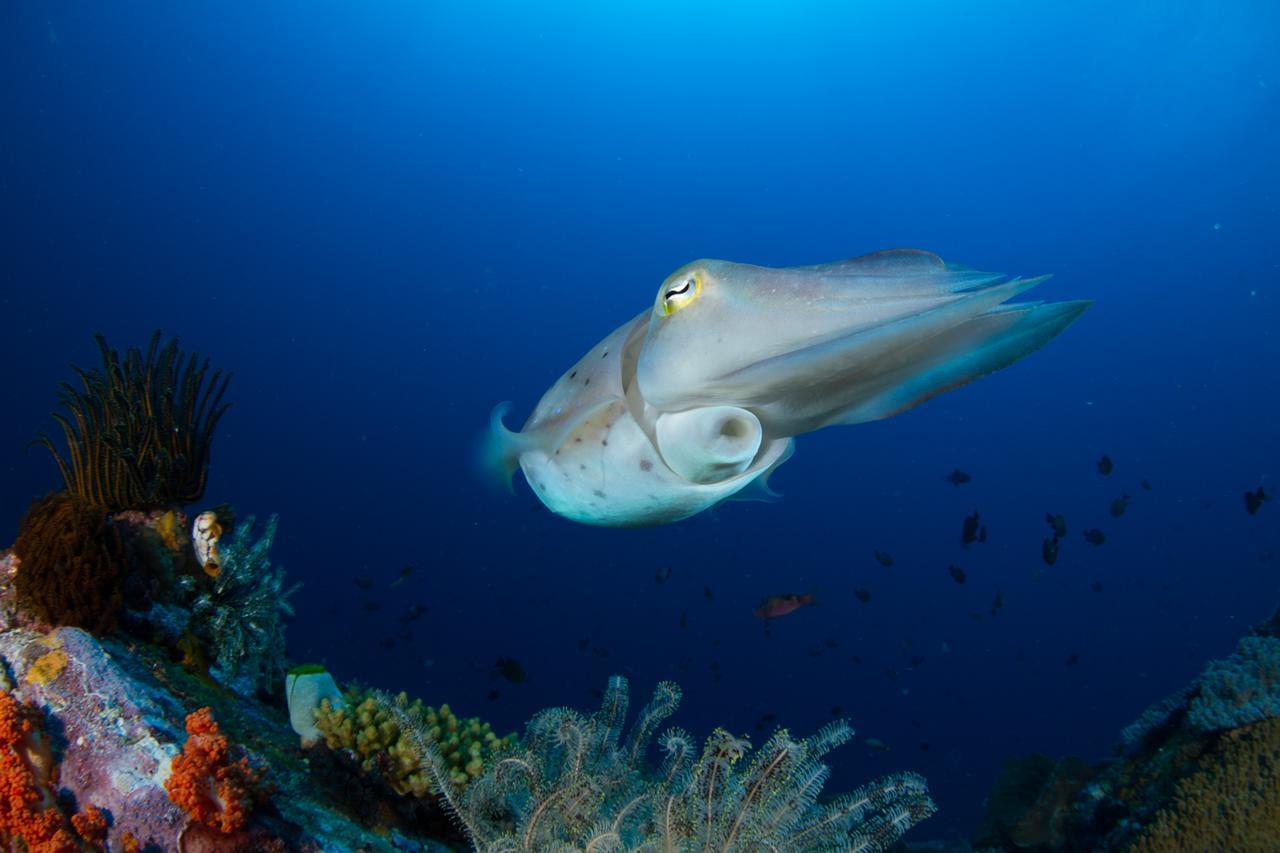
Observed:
{"x":973,"y":348}
{"x":907,"y":272}
{"x":500,"y":450}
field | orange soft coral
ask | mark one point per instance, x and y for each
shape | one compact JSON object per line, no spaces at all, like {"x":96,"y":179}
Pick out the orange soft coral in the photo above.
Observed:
{"x":216,"y":791}
{"x":28,"y":806}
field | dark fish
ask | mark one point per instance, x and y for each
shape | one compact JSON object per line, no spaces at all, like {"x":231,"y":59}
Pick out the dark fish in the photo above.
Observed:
{"x":864,"y":595}
{"x":510,"y":669}
{"x":831,"y":643}
{"x":1146,"y":485}
{"x":1073,"y":659}
{"x":969,"y":530}
{"x":1096,"y":586}
{"x":1119,"y":505}
{"x":597,"y":692}
{"x":600,"y":652}
{"x":1254,"y":500}
{"x":388,"y":642}
{"x":957,"y":478}
{"x":890,"y":673}
{"x":917,"y":661}
{"x":583,"y":643}
{"x":1095,"y":537}
{"x":494,"y":696}
{"x":855,"y":658}
{"x":414,"y":613}
{"x":684,"y":619}
{"x":363,"y":581}
{"x":1104,"y":465}
{"x":1058,"y":522}
{"x":998,"y":604}
{"x":662,"y":574}
{"x":765,"y":719}
{"x":884,"y":558}
{"x":706,"y":591}
{"x":835,"y":710}
{"x":816,"y":651}
{"x":1049,"y":551}
{"x":957,"y":573}
{"x":371,"y":606}
{"x":405,"y":571}
{"x":924,"y":746}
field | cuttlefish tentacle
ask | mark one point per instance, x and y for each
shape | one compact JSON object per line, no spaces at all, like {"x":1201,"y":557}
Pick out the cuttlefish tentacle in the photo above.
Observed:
{"x":697,"y":400}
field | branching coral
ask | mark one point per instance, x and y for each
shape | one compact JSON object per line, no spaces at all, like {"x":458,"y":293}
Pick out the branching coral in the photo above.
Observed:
{"x":576,"y":784}
{"x":239,"y":616}
{"x":138,"y":433}
{"x":30,"y":817}
{"x":71,"y":572}
{"x":372,"y":725}
{"x":215,"y":790}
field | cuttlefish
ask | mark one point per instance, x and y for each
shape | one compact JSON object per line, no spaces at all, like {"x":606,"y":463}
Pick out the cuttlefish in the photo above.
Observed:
{"x":699,"y":398}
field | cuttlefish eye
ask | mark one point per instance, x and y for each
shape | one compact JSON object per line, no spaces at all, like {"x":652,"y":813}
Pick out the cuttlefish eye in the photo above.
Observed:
{"x":679,"y":292}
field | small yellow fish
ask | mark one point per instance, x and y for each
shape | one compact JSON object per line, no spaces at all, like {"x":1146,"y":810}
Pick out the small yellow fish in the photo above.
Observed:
{"x":204,"y":539}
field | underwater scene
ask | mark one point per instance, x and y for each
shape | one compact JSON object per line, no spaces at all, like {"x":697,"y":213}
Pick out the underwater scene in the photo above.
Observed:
{"x":439,"y":426}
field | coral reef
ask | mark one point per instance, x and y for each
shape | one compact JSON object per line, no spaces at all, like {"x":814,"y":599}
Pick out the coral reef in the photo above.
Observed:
{"x":576,"y":783}
{"x":1030,"y":803}
{"x":204,"y":780}
{"x":71,"y":571}
{"x":1241,"y":689}
{"x":239,"y":617}
{"x":387,"y":735}
{"x":1231,"y":801}
{"x":138,"y":434}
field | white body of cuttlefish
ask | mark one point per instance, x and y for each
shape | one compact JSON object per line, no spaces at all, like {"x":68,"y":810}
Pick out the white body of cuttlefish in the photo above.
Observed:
{"x":700,"y":396}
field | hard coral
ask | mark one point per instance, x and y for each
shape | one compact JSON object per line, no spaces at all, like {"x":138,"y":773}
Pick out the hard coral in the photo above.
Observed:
{"x":217,"y":792}
{"x":71,"y":571}
{"x":29,"y":811}
{"x":138,"y":435}
{"x":1231,"y":803}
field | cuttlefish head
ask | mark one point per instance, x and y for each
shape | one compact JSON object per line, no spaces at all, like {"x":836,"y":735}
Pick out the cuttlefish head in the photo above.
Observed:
{"x":841,"y":342}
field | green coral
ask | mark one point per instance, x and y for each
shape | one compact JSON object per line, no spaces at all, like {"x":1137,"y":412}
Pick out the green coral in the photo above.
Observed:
{"x":372,"y":726}
{"x":575,"y":783}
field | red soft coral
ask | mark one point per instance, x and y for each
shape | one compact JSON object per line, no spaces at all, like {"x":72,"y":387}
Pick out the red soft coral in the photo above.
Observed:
{"x":216,"y":791}
{"x":28,"y":806}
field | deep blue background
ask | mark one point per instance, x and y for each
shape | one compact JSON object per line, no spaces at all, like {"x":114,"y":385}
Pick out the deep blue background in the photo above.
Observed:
{"x":386,"y":219}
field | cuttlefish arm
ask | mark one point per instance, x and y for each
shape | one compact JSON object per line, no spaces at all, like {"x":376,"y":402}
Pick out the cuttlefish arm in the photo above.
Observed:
{"x":845,"y":342}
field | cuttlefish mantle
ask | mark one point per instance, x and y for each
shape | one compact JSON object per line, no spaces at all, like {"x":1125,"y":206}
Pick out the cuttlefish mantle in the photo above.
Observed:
{"x":701,"y":396}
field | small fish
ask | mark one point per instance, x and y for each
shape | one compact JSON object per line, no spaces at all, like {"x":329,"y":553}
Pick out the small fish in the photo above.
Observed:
{"x":1253,"y":501}
{"x":998,"y":604}
{"x":957,"y":573}
{"x":363,"y":581}
{"x":957,"y":478}
{"x":835,"y":711}
{"x":780,"y":605}
{"x":890,"y":673}
{"x":816,"y":651}
{"x":924,"y":746}
{"x":414,"y":613}
{"x":969,"y":530}
{"x":714,"y":665}
{"x":1096,"y":586}
{"x":600,"y":652}
{"x":493,"y":696}
{"x":508,"y":668}
{"x":1049,"y":551}
{"x":1104,"y":465}
{"x":884,"y":558}
{"x":405,"y":571}
{"x":1058,"y":522}
{"x":387,"y":643}
{"x":684,"y":619}
{"x":864,"y":595}
{"x":596,"y":692}
{"x":583,"y":643}
{"x":706,"y":591}
{"x":1094,"y":537}
{"x":876,"y":743}
{"x":1146,"y":485}
{"x":1072,"y":659}
{"x":1119,"y":505}
{"x":371,"y":607}
{"x":831,"y":643}
{"x":661,"y":575}
{"x":917,"y":661}
{"x":855,"y":658}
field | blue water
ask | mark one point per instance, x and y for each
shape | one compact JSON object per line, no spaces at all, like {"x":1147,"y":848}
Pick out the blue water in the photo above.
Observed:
{"x":386,"y":220}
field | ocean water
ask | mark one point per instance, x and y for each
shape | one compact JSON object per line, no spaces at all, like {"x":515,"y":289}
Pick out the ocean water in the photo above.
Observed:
{"x":387,"y":218}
